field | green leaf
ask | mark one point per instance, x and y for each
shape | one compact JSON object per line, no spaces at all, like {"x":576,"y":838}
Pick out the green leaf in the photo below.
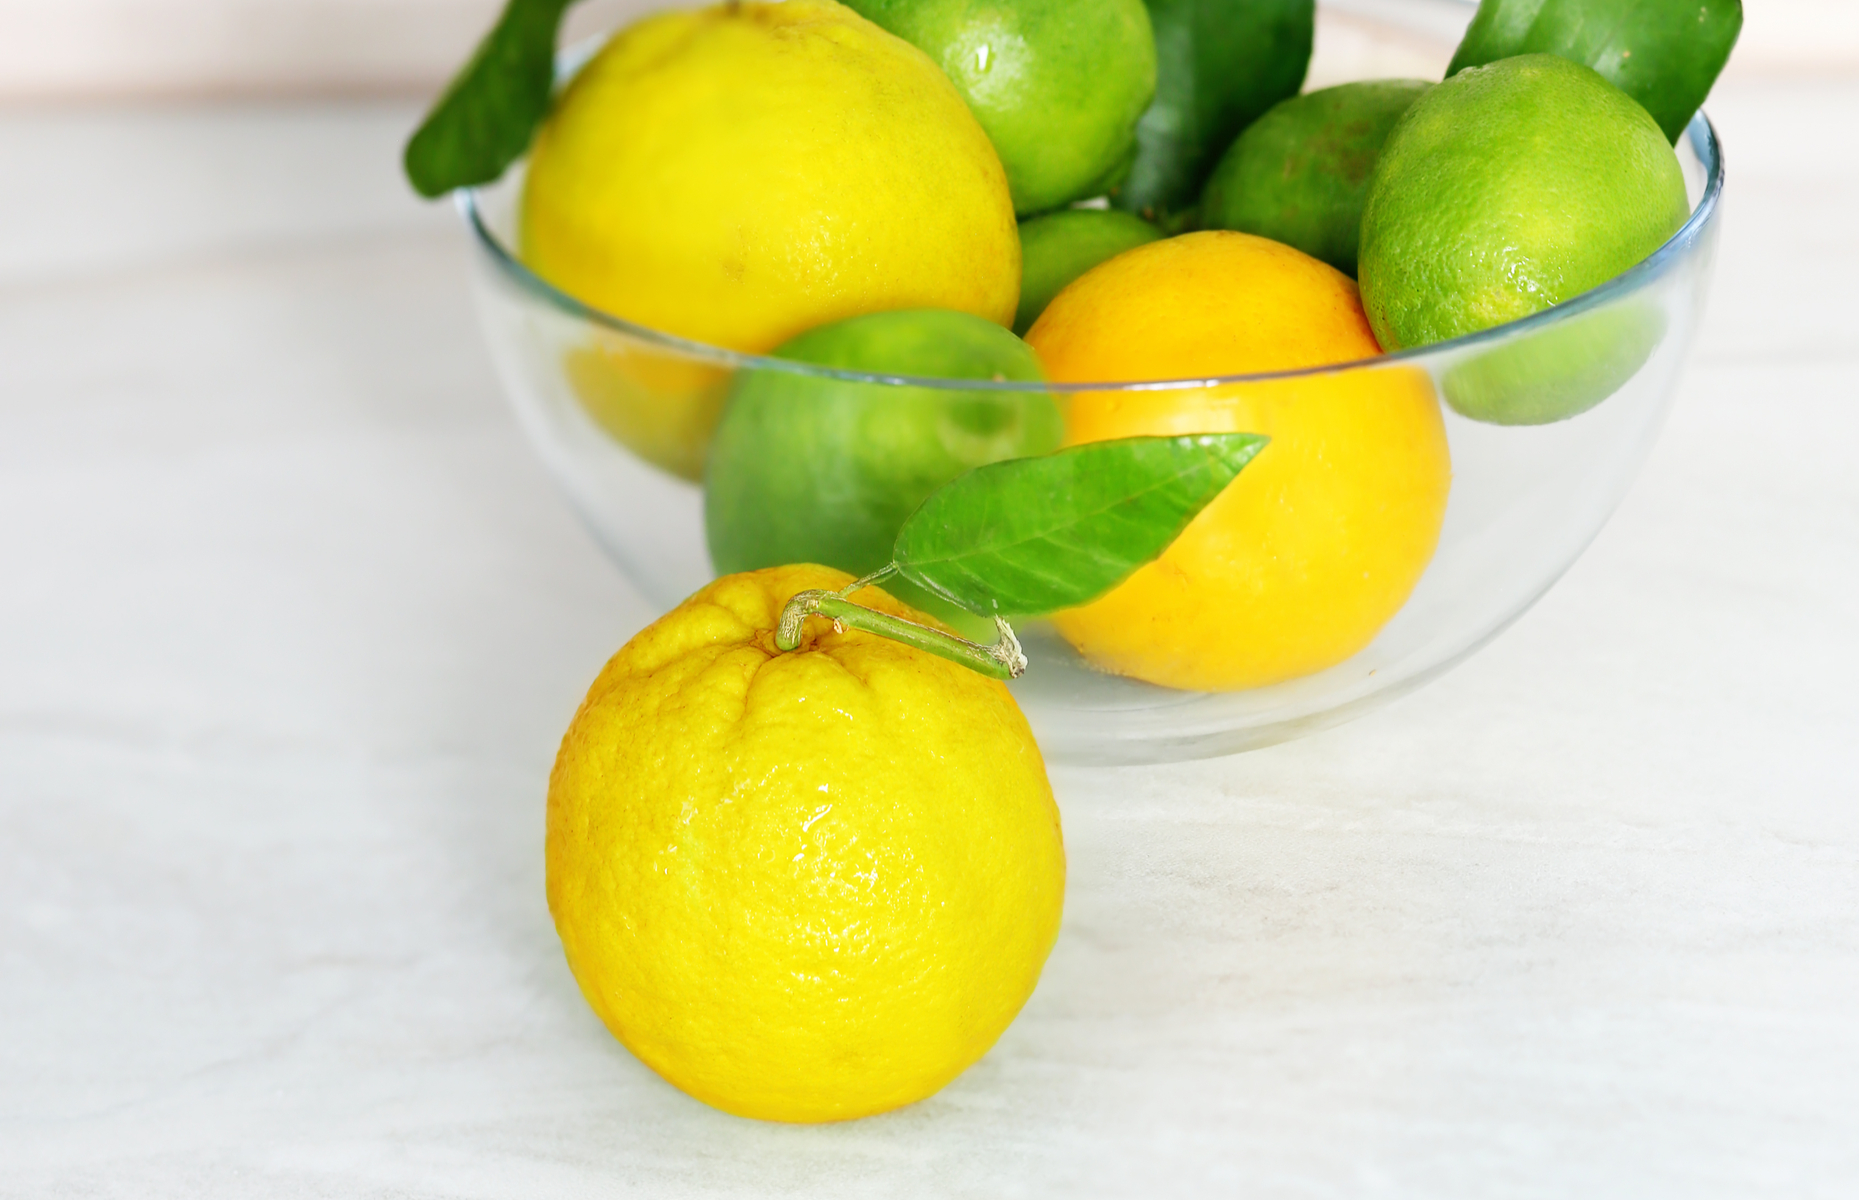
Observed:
{"x":1496,"y":31}
{"x":1664,"y":53}
{"x":1219,"y":65}
{"x":1035,"y":535}
{"x":483,"y":121}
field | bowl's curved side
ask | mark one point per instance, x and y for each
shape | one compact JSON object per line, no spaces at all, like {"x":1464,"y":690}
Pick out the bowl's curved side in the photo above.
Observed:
{"x":1525,"y":500}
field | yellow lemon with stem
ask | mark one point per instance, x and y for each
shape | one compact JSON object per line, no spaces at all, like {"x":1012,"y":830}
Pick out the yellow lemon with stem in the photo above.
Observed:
{"x":800,"y":886}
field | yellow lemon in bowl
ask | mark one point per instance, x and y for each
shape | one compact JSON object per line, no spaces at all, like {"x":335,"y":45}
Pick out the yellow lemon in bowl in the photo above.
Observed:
{"x":737,"y":175}
{"x":1318,"y":543}
{"x":802,"y":886}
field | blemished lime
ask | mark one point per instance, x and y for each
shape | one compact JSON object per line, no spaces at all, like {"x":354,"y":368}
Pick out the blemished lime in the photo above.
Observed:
{"x":1297,"y":175}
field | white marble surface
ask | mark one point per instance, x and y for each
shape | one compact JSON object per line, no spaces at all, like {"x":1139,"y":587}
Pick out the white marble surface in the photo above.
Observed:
{"x":290,"y":622}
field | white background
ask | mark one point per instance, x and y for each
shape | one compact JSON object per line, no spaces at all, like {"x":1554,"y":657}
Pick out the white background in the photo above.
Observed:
{"x":290,"y":622}
{"x":87,"y":48}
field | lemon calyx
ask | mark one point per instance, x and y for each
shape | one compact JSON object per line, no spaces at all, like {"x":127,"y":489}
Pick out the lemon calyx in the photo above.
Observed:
{"x":1003,"y":660}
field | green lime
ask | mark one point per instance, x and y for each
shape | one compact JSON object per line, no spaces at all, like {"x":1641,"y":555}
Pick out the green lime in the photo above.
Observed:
{"x":1057,"y":84}
{"x":1565,"y":368}
{"x":1505,"y":190}
{"x":1060,"y":247}
{"x":1219,"y":65}
{"x":1666,"y":54}
{"x":1297,"y":174}
{"x":812,"y":470}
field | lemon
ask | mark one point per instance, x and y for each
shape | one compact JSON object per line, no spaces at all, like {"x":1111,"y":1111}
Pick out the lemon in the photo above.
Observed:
{"x":663,"y":407}
{"x":805,"y":886}
{"x":740,"y":174}
{"x":1318,"y":543}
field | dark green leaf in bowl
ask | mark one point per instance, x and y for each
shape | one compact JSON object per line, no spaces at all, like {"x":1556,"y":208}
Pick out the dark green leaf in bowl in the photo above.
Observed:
{"x":484,"y":120}
{"x":1035,"y":535}
{"x":1219,"y":65}
{"x":1664,"y":53}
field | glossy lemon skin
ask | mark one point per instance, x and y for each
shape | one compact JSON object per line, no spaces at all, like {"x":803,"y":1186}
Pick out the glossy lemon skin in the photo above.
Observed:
{"x":740,"y":174}
{"x":805,"y":886}
{"x":1320,"y":540}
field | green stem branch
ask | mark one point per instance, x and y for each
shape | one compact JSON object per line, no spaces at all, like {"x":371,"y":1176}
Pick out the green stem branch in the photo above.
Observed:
{"x":1003,"y":660}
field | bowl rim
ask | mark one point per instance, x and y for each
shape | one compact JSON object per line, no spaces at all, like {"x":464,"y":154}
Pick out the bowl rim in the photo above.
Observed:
{"x":1700,"y":132}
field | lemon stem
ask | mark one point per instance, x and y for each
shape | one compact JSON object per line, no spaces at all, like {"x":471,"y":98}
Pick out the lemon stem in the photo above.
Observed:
{"x":879,"y":576}
{"x":1003,"y":660}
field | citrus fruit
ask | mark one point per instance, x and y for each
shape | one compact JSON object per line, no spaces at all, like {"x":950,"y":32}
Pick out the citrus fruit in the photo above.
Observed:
{"x":1219,"y":65}
{"x":1059,"y":247}
{"x":1298,"y":173}
{"x":1560,"y":369}
{"x":661,"y":406}
{"x":804,"y":886}
{"x":1505,"y":190}
{"x":739,"y":174}
{"x":806,"y":469}
{"x":1298,"y":563}
{"x":1058,"y":84}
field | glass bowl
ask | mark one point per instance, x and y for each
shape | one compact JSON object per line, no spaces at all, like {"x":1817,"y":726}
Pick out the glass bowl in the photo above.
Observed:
{"x":614,"y":410}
